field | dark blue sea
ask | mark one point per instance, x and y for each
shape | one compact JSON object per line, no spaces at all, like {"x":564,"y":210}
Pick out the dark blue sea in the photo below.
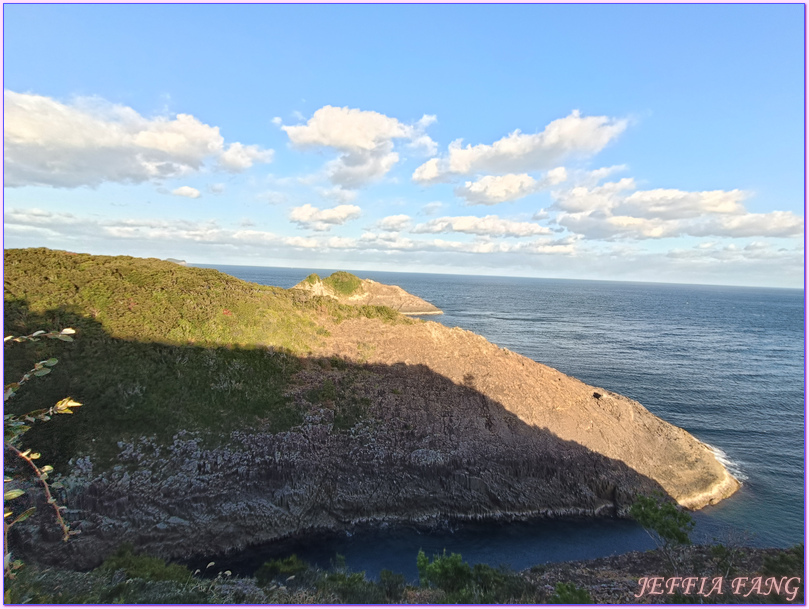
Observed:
{"x":724,"y":363}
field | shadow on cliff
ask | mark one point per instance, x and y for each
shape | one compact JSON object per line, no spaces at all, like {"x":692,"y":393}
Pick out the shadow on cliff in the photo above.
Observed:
{"x":306,"y":444}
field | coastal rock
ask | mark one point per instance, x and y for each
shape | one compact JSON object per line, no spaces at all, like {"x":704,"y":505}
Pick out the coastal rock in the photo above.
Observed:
{"x":395,"y":420}
{"x":542,"y":397}
{"x":366,"y":292}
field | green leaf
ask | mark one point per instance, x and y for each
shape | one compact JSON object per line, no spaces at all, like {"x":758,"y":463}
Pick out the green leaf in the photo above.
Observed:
{"x":42,"y":372}
{"x":67,"y":339}
{"x":46,"y":468}
{"x":25,"y":514}
{"x":51,"y":362}
{"x":38,"y":332}
{"x":34,"y":456}
{"x":13,"y":494}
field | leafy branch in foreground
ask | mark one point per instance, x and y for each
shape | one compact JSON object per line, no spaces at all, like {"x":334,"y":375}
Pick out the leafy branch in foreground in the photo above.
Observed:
{"x":14,"y":427}
{"x":667,"y":524}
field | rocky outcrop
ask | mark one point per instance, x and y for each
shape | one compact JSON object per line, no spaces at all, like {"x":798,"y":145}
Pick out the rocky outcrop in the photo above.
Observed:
{"x":405,"y":423}
{"x":599,"y":420}
{"x":369,"y":292}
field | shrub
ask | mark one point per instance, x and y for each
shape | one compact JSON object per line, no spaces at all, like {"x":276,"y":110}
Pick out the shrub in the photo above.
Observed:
{"x":343,"y":283}
{"x":282,"y":568}
{"x":569,"y":594}
{"x":351,"y":588}
{"x":392,"y":584}
{"x":450,"y":573}
{"x":144,"y":567}
{"x":667,"y":524}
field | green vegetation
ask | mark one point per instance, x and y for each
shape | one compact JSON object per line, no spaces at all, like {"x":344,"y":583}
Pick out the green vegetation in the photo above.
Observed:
{"x":666,"y":523}
{"x":312,"y":279}
{"x":144,"y":567}
{"x":340,"y":395}
{"x":342,"y":283}
{"x":569,"y":594}
{"x":461,"y":583}
{"x":14,"y":428}
{"x":282,"y":568}
{"x":161,"y":348}
{"x":129,"y":578}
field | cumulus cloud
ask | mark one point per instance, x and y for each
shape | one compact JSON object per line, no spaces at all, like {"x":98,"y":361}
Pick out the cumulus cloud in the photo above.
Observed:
{"x":616,"y":210}
{"x":394,"y":223}
{"x":91,"y":141}
{"x":669,"y":203}
{"x":572,"y":136}
{"x":310,"y":217}
{"x":187,"y":191}
{"x":491,"y":226}
{"x":67,"y":226}
{"x":238,"y":157}
{"x":365,"y":140}
{"x":490,"y":190}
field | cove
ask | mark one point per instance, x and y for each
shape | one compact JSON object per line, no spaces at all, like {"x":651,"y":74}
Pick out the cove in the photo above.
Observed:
{"x":519,"y":545}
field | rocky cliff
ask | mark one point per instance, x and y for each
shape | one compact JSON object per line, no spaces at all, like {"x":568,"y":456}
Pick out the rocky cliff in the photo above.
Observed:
{"x":387,"y":420}
{"x":404,"y":423}
{"x":356,"y":291}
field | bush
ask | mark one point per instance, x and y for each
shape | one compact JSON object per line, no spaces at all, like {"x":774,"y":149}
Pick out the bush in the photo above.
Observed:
{"x":392,"y":584}
{"x":351,"y":588}
{"x":343,"y":283}
{"x":569,"y":594}
{"x":450,"y":573}
{"x":144,"y":567}
{"x":281,"y":569}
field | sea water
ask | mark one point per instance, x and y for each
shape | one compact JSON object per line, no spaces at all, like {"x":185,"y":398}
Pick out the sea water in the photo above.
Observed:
{"x":724,"y":363}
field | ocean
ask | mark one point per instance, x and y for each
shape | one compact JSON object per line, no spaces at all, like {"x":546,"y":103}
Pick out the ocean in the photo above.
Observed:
{"x":724,"y":363}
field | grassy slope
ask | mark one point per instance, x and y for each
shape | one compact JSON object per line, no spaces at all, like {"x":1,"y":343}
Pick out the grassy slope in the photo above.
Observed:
{"x":159,"y":347}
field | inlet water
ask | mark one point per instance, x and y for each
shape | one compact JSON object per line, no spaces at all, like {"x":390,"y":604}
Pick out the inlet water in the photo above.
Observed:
{"x":724,"y":363}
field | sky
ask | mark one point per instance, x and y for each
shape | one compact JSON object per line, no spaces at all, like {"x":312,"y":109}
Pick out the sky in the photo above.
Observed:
{"x":616,"y":142}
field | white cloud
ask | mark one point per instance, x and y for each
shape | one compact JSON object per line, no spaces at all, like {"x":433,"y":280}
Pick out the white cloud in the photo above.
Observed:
{"x":277,"y":120}
{"x":572,"y":136}
{"x":338,"y":194}
{"x":187,"y":191}
{"x":364,"y":139}
{"x":490,"y":190}
{"x":357,"y":168}
{"x":91,"y":141}
{"x":217,"y":188}
{"x":754,"y":251}
{"x":773,"y":224}
{"x":669,"y":203}
{"x":491,"y":226}
{"x":430,"y":209}
{"x":239,"y":157}
{"x":308,"y":216}
{"x":609,"y":211}
{"x":394,"y":223}
{"x":583,"y":199}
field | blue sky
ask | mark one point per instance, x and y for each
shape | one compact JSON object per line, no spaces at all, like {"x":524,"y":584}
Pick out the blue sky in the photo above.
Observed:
{"x":626,"y":142}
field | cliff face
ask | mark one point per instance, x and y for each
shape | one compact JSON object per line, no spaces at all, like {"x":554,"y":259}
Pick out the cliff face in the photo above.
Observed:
{"x":369,"y":292}
{"x":385,"y":420}
{"x":539,"y":396}
{"x":405,"y":423}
